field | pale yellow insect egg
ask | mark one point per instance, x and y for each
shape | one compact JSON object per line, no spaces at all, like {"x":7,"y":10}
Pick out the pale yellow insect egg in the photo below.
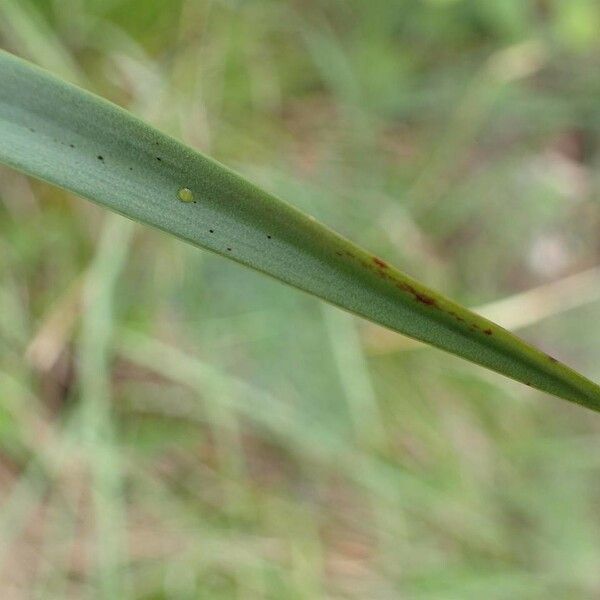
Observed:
{"x":185,"y":195}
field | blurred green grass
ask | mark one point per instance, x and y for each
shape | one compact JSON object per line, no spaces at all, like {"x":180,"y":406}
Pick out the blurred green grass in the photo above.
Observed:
{"x":173,"y":426}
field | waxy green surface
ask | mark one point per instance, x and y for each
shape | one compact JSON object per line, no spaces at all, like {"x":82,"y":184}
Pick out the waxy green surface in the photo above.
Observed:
{"x":62,"y":134}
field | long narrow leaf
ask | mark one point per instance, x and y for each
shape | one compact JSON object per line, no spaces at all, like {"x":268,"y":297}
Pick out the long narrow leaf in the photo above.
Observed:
{"x":64,"y":135}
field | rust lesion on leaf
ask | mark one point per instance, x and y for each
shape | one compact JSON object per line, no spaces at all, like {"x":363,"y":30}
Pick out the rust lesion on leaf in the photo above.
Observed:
{"x":380,"y":263}
{"x":418,"y":296}
{"x":380,"y":267}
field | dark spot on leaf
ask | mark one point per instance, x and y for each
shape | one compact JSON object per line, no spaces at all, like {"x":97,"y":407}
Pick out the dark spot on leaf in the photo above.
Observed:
{"x":268,"y":237}
{"x":229,"y":249}
{"x":424,"y":299}
{"x":72,"y":145}
{"x":419,"y":296}
{"x":380,"y":263}
{"x":488,"y":331}
{"x":100,"y":157}
{"x":158,"y":158}
{"x":211,"y":230}
{"x":131,"y":168}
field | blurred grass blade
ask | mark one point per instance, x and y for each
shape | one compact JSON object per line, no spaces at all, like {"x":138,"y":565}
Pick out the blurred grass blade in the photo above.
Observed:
{"x":69,"y":137}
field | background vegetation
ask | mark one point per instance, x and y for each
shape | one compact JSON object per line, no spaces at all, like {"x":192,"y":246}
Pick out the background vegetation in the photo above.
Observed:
{"x":174,"y":426}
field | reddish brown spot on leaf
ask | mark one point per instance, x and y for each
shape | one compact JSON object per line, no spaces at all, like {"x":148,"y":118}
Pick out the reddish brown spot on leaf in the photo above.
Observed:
{"x":424,"y":299}
{"x":487,"y":331}
{"x":380,"y":263}
{"x":419,"y":296}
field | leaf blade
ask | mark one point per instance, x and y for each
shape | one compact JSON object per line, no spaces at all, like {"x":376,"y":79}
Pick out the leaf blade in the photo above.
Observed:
{"x":64,"y":135}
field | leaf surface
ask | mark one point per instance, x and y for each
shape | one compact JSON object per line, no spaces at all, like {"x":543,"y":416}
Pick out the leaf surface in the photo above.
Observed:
{"x":62,"y":134}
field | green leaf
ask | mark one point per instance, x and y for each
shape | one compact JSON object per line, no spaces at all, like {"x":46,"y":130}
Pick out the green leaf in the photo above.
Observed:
{"x":64,"y":135}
